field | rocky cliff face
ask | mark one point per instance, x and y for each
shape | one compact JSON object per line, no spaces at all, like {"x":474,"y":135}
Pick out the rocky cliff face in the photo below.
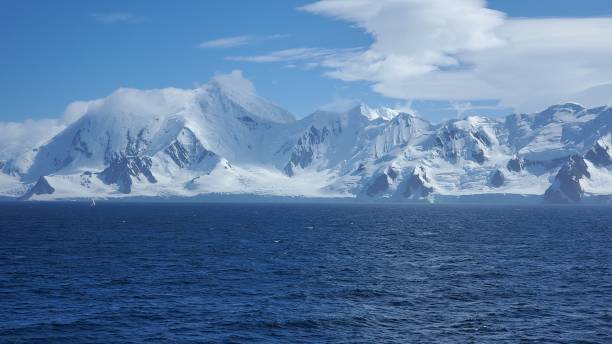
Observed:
{"x":41,"y":187}
{"x":186,"y":151}
{"x":418,"y":185}
{"x":566,"y":187}
{"x":123,"y":170}
{"x":306,"y":149}
{"x":496,"y":178}
{"x":600,"y":154}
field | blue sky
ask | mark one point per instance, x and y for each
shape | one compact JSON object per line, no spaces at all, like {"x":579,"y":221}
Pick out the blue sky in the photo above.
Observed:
{"x":56,"y":52}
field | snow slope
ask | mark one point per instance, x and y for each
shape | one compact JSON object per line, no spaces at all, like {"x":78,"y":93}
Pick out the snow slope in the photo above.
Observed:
{"x":223,"y":138}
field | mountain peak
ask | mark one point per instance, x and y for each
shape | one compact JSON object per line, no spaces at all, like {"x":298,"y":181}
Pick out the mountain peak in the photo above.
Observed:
{"x":241,"y":91}
{"x":568,"y":106}
{"x":371,"y":114}
{"x":233,"y":82}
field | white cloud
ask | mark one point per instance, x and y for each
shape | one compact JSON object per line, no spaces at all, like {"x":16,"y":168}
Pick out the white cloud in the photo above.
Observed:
{"x":601,"y":94}
{"x":339,"y":104}
{"x":297,"y":54}
{"x":117,"y":17}
{"x":544,"y":61}
{"x":236,"y":82}
{"x":411,"y":37}
{"x":20,"y":137}
{"x":459,"y":50}
{"x":227,"y":42}
{"x":236,"y":41}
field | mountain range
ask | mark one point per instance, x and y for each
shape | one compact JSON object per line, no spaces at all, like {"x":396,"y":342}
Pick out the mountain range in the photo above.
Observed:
{"x":224,"y":139}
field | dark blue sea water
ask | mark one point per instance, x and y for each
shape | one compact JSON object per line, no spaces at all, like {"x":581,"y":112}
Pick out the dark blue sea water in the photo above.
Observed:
{"x":197,"y":273}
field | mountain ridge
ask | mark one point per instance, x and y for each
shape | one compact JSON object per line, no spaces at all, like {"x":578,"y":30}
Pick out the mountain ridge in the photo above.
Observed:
{"x":223,"y":138}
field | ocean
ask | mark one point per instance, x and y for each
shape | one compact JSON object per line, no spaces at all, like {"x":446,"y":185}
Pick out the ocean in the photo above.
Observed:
{"x":304,"y":273}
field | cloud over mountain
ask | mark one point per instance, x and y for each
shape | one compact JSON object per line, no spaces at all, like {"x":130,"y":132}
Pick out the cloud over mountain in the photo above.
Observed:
{"x":222,"y":137}
{"x":457,"y":50}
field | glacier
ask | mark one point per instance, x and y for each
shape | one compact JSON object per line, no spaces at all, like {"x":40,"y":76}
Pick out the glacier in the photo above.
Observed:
{"x":222,"y":138}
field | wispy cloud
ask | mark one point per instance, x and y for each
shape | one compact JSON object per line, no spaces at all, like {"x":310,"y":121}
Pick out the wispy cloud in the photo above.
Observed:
{"x":340,"y":104}
{"x":117,"y":17}
{"x":227,"y":42}
{"x":305,"y":58}
{"x":235,"y":41}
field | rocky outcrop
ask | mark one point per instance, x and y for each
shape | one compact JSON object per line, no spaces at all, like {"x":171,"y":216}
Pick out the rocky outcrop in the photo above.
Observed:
{"x":600,"y":154}
{"x":418,"y":184}
{"x":382,"y":182}
{"x":7,"y":167}
{"x":80,"y":145}
{"x":122,"y":169}
{"x":180,"y":139}
{"x":188,"y":152}
{"x":42,"y":187}
{"x":478,"y":155}
{"x":378,"y":185}
{"x":455,"y":143}
{"x":304,"y":152}
{"x":360,"y":169}
{"x":445,"y":142}
{"x":249,"y":122}
{"x":496,"y":179}
{"x":516,"y":164}
{"x":566,"y":187}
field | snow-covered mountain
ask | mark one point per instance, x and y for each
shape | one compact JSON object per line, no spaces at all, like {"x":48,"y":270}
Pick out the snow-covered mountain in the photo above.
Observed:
{"x":222,"y":138}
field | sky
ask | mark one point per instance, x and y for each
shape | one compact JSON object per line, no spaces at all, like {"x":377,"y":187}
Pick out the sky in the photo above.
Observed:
{"x":438,"y":58}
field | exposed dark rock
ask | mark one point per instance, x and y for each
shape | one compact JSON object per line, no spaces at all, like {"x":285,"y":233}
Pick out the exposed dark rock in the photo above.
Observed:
{"x":137,"y":145}
{"x":123,"y":169}
{"x":479,"y":156}
{"x":80,"y":146}
{"x":379,"y":185}
{"x":566,"y":187}
{"x":109,"y":155}
{"x":482,"y":137}
{"x":7,"y":167}
{"x":496,"y":179}
{"x":304,"y":152}
{"x":600,"y":155}
{"x":86,"y":179}
{"x":361,"y":168}
{"x":42,"y":187}
{"x":391,"y":173}
{"x":453,"y":144}
{"x":418,"y":184}
{"x":187,"y":150}
{"x":192,"y":184}
{"x":445,"y":141}
{"x":248,"y":122}
{"x":515,"y":164}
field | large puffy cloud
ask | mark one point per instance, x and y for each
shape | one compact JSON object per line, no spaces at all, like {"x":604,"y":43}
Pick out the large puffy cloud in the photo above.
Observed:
{"x":19,"y":138}
{"x":459,"y":50}
{"x":544,"y":61}
{"x":411,"y":37}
